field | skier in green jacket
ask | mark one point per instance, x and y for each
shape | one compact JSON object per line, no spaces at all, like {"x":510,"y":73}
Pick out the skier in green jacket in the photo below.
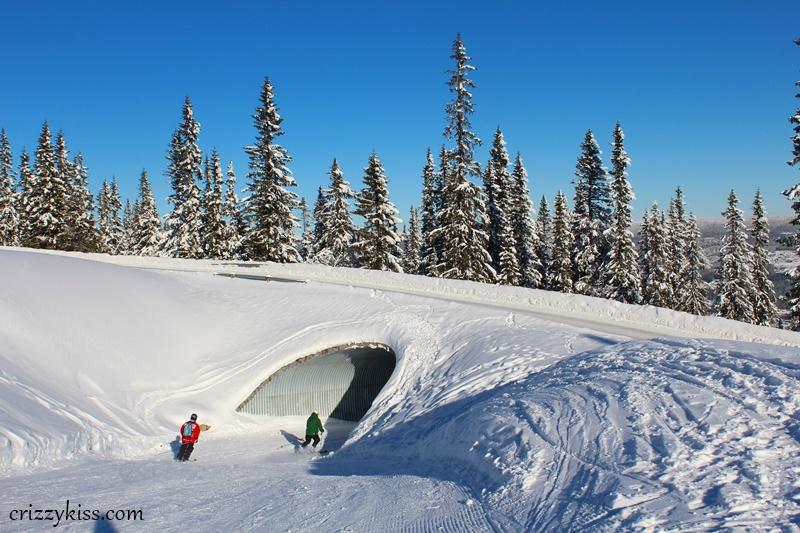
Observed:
{"x":313,"y":429}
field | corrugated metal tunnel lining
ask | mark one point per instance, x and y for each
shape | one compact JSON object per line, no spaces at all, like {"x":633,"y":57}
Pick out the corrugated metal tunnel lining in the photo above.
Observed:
{"x":340,"y":382}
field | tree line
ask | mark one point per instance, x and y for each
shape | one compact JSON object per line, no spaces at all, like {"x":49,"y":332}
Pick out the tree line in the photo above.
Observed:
{"x":474,"y":222}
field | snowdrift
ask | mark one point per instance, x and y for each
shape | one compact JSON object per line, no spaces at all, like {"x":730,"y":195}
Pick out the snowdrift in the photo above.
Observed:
{"x":546,"y":423}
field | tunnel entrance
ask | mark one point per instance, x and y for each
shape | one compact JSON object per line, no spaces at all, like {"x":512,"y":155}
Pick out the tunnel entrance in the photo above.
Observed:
{"x":340,"y":382}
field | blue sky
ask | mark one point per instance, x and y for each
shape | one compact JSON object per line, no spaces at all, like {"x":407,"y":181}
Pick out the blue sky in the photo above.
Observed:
{"x":702,"y":88}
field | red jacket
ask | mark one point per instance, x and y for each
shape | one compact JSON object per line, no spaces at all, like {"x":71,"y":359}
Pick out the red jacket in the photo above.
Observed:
{"x":195,"y":432}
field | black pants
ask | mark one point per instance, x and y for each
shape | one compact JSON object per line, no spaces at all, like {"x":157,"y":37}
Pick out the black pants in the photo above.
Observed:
{"x":309,"y":438}
{"x":185,"y":452}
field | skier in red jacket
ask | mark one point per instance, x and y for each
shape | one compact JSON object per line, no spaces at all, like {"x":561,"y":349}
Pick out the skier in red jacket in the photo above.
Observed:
{"x":190,"y":432}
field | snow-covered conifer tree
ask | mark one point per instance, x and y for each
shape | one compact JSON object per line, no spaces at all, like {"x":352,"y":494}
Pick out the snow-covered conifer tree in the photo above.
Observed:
{"x":500,"y":209}
{"x":9,"y":221}
{"x":128,"y":217}
{"x":526,"y":239}
{"x":269,"y":208}
{"x":147,"y":228}
{"x":735,"y":275}
{"x":183,"y":225}
{"x":307,"y":236}
{"x":693,"y":289}
{"x":47,"y":199}
{"x":83,"y":234}
{"x":115,"y":206}
{"x":236,"y":226}
{"x":24,"y":192}
{"x":320,"y":217}
{"x":431,"y":191}
{"x":764,"y":309}
{"x":214,"y":228}
{"x":379,"y":245}
{"x":413,"y":245}
{"x":677,"y":235}
{"x":591,"y":217}
{"x":644,"y":248}
{"x":561,"y":268}
{"x":105,"y":223}
{"x":793,"y":194}
{"x":465,"y":253}
{"x":622,"y":276}
{"x":335,"y":246}
{"x":658,"y":285}
{"x":544,"y":239}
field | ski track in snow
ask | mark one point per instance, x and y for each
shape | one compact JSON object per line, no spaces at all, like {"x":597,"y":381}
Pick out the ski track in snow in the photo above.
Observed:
{"x":494,"y":420}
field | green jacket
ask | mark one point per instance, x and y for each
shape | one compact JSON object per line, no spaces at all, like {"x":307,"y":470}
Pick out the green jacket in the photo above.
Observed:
{"x":314,"y":425}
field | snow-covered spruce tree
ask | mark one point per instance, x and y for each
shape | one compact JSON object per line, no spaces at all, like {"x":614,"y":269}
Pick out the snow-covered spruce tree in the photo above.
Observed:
{"x":500,"y":209}
{"x":693,"y":289}
{"x":793,"y":194}
{"x":47,"y":199}
{"x":413,"y":244}
{"x":269,"y":208}
{"x":764,"y":309}
{"x":147,"y":226}
{"x":335,"y":247}
{"x":735,"y":271}
{"x":117,"y":229}
{"x":658,"y":285}
{"x":591,"y":217}
{"x":183,"y":224}
{"x":526,"y":238}
{"x":81,"y":206}
{"x":622,"y":276}
{"x":544,"y":239}
{"x":306,"y":234}
{"x":379,"y":245}
{"x":431,"y":192}
{"x":236,"y":226}
{"x":677,"y":235}
{"x":128,"y":217}
{"x":320,"y":218}
{"x":26,"y":184}
{"x":465,"y":253}
{"x":106,"y":243}
{"x":9,"y":221}
{"x":644,"y":248}
{"x":214,"y":228}
{"x":561,"y":268}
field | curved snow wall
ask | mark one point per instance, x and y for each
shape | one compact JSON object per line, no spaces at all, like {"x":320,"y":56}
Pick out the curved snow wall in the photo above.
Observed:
{"x":340,"y":382}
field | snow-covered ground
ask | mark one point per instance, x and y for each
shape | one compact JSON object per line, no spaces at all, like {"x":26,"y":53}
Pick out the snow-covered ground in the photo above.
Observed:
{"x":509,"y":409}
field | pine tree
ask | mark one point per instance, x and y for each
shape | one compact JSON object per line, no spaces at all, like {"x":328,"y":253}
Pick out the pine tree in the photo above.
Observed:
{"x":83,"y":234}
{"x":411,"y":256}
{"x":379,"y":245}
{"x":117,"y":229}
{"x":622,"y":276}
{"x":591,"y":217}
{"x":676,"y":233}
{"x":693,"y":289}
{"x":501,"y":211}
{"x":307,"y":236}
{"x":736,"y":282}
{"x":147,"y":226}
{"x":24,"y":194}
{"x":526,"y":239}
{"x":9,"y":221}
{"x":793,"y":194}
{"x":431,"y":202}
{"x":465,"y":253}
{"x":236,"y":226}
{"x":271,"y":236}
{"x":128,"y":217}
{"x":561,"y":267}
{"x":335,"y":246}
{"x":105,"y":221}
{"x":644,"y":249}
{"x":214,"y":229}
{"x":320,"y":220}
{"x":183,"y":225}
{"x":763,"y":296}
{"x":544,"y":240}
{"x":47,"y":200}
{"x":658,"y":285}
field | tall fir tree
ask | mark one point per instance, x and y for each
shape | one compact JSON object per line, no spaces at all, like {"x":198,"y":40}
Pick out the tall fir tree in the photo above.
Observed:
{"x":500,"y":208}
{"x":644,"y":248}
{"x":465,"y":253}
{"x":306,"y":229}
{"x":412,"y":258}
{"x":271,"y":234}
{"x":735,"y":271}
{"x":83,"y":234}
{"x":320,"y":217}
{"x":526,"y":238}
{"x":693,"y":289}
{"x":236,"y":226}
{"x":105,"y":221}
{"x":379,"y":245}
{"x":677,"y":238}
{"x":622,"y":276}
{"x":117,"y":229}
{"x":9,"y":220}
{"x":335,"y":246}
{"x":431,"y":192}
{"x":183,"y":225}
{"x":561,"y":273}
{"x":214,"y":228}
{"x":128,"y":217}
{"x":763,"y":296}
{"x":24,"y":194}
{"x":544,"y":239}
{"x":793,"y":194}
{"x":147,"y":234}
{"x":658,"y":285}
{"x":47,"y":200}
{"x":591,"y":218}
